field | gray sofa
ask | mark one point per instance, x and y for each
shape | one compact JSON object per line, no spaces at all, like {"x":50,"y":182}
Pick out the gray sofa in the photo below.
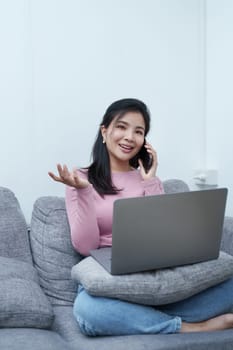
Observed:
{"x":37,"y":293}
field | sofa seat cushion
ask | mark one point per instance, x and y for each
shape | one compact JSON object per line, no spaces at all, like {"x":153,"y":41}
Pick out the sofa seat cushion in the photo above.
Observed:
{"x":32,"y":339}
{"x":154,"y":287}
{"x":22,"y":301}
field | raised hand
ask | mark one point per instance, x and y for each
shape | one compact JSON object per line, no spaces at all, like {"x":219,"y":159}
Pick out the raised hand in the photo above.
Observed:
{"x":154,"y":163}
{"x":70,"y":178}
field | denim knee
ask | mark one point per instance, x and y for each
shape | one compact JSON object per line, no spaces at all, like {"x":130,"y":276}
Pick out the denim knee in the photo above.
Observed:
{"x":85,"y":328}
{"x":83,"y":312}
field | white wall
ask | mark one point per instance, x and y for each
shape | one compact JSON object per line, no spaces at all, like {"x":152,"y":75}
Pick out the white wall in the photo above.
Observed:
{"x":219,"y":87}
{"x":64,"y":61}
{"x":15,"y":115}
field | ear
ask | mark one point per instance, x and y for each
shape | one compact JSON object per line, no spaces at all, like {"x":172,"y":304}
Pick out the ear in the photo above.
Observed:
{"x":103,"y":131}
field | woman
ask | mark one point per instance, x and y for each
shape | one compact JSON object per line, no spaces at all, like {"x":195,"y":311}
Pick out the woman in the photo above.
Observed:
{"x":124,"y":165}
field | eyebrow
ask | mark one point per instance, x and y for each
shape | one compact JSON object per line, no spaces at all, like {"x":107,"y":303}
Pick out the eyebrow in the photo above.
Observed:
{"x":123,"y":122}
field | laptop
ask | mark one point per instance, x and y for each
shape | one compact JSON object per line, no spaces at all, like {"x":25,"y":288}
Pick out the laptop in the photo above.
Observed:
{"x":162,"y":231}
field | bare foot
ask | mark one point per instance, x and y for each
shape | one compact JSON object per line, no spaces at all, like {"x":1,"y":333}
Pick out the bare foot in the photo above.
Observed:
{"x":214,"y":324}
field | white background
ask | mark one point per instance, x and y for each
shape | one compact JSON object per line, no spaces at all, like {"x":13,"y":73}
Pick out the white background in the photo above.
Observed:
{"x":63,"y":62}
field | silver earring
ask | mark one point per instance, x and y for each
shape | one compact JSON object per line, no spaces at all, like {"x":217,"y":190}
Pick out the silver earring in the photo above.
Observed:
{"x":104,"y":141}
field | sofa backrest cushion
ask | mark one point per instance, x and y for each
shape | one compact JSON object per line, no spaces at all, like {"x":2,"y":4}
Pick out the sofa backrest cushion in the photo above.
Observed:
{"x":175,"y":186}
{"x":52,"y":250}
{"x":14,"y":241}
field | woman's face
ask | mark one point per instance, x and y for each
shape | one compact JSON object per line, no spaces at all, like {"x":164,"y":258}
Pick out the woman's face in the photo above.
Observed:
{"x":124,"y":138}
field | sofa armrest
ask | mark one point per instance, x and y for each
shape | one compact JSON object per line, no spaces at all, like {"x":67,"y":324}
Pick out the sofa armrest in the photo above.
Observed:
{"x":227,"y":238}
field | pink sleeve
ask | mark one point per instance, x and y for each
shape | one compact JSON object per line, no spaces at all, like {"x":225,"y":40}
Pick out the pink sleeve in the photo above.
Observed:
{"x":153,"y":186}
{"x":82,"y":219}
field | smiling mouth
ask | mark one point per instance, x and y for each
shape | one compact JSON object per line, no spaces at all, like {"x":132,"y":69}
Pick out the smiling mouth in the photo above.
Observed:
{"x":126,"y":148}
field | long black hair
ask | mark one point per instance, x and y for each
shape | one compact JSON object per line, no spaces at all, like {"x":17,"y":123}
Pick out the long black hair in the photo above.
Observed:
{"x":99,"y":172}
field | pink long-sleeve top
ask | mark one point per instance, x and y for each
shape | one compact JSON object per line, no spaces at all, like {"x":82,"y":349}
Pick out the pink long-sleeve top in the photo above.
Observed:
{"x":90,"y":215}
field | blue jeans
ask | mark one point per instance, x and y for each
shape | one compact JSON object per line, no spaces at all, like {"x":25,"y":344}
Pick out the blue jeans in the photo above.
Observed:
{"x":107,"y":316}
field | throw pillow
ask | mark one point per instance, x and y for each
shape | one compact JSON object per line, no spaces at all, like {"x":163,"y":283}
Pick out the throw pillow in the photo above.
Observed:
{"x":154,"y":287}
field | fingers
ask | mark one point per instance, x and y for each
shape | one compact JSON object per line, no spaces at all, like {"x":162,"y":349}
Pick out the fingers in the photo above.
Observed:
{"x":54,"y":177}
{"x":151,"y":172}
{"x":69,"y":178}
{"x":152,"y":152}
{"x":64,"y":174}
{"x":150,"y":149}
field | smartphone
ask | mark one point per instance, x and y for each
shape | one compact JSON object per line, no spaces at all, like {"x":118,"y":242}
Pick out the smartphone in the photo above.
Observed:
{"x":147,"y":159}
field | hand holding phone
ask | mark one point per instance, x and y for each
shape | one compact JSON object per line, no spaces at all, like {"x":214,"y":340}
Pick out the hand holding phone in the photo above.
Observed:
{"x":152,"y":162}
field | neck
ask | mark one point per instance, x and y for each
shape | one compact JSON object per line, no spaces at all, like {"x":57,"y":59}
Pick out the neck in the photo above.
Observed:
{"x":120,"y":167}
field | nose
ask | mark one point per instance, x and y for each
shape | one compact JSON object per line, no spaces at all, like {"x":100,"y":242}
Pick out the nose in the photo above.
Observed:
{"x":129,"y":135}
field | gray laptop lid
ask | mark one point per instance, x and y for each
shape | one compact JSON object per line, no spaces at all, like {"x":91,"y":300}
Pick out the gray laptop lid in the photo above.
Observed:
{"x":167,"y":230}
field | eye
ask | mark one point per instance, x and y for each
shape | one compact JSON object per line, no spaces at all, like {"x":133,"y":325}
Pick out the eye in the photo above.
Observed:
{"x":120,"y":126}
{"x":139,"y":132}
